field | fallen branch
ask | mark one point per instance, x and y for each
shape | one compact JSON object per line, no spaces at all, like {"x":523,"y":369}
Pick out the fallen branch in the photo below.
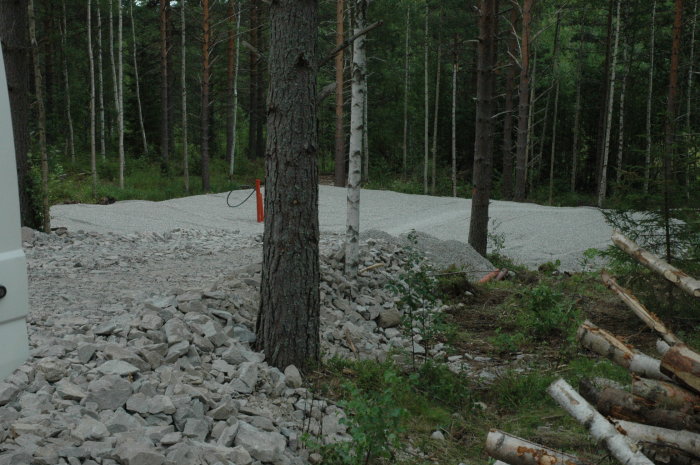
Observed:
{"x":349,"y":42}
{"x":371,"y":267}
{"x":601,"y":429}
{"x":603,"y":343}
{"x":655,"y":263}
{"x":683,"y":440}
{"x":667,"y":455}
{"x":623,"y":405}
{"x":516,"y":451}
{"x":651,"y":320}
{"x":666,"y":395}
{"x":683,"y":365}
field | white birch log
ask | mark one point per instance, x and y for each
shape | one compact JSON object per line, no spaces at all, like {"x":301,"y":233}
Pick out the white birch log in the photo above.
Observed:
{"x":662,"y":347}
{"x":683,"y":440}
{"x":517,"y":451}
{"x":651,"y":320}
{"x":689,"y":284}
{"x":666,"y":395}
{"x":600,"y":428}
{"x":683,"y":364}
{"x":603,"y":343}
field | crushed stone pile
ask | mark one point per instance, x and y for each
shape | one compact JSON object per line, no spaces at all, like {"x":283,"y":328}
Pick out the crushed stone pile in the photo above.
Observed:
{"x":125,"y":373}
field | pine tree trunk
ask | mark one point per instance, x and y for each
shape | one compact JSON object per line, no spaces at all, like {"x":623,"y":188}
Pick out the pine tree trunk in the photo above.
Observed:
{"x":234,"y":122}
{"x":230,"y":65}
{"x":66,"y":82}
{"x":136,"y":78}
{"x":577,"y":115}
{"x":206,"y":72}
{"x":605,"y":94}
{"x":435,"y":117}
{"x":602,"y":186}
{"x":359,"y":74}
{"x":41,"y":120}
{"x":455,"y":68}
{"x":288,"y":321}
{"x":100,"y":80}
{"x":523,"y":104}
{"x":483,"y":140}
{"x":689,"y":159}
{"x":340,"y":175}
{"x":120,"y":91}
{"x":114,"y":68}
{"x":427,"y":102}
{"x":365,"y":134}
{"x":405,"y":93}
{"x":507,"y":175}
{"x":621,"y":121}
{"x":183,"y":96}
{"x":164,"y":106}
{"x":555,"y":67}
{"x":647,"y":159}
{"x":254,"y":81}
{"x":93,"y":149}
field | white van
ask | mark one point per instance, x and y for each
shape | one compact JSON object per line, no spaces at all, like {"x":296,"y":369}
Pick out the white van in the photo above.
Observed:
{"x":14,"y":348}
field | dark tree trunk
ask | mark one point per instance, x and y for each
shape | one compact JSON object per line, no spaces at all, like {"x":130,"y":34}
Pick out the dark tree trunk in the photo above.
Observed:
{"x":230,"y":64}
{"x":164,"y":119}
{"x":523,"y":105}
{"x":15,"y":48}
{"x":507,"y":176}
{"x":206,"y":71}
{"x":339,"y":81}
{"x":253,"y":113}
{"x":288,"y":322}
{"x":483,"y":143}
{"x":605,"y":92}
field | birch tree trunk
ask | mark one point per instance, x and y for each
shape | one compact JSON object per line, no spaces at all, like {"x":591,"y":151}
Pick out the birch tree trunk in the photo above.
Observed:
{"x":427,"y":103}
{"x":405,"y":93}
{"x":365,"y":135}
{"x":93,"y":155}
{"x":41,"y":121}
{"x":602,"y":430}
{"x":507,"y":176}
{"x":357,"y":106}
{"x":523,"y":104}
{"x":435,"y":117}
{"x":100,"y":86}
{"x":515,"y":451}
{"x":666,"y":395}
{"x":455,"y":68}
{"x":236,"y":67}
{"x":136,"y":78}
{"x":683,"y":364}
{"x":340,"y":176}
{"x":683,"y":440}
{"x":647,"y":159}
{"x":602,"y":187}
{"x":120,"y":113}
{"x":183,"y":96}
{"x":66,"y":82}
{"x":483,"y":140}
{"x":687,"y":283}
{"x":555,"y":69}
{"x":164,"y":105}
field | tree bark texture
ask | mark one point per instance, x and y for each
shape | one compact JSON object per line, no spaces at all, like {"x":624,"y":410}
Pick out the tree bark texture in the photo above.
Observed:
{"x":577,"y":115}
{"x":426,"y":124}
{"x":254,"y":151}
{"x":621,"y":404}
{"x":183,"y":97}
{"x":555,"y":68}
{"x":288,"y":321}
{"x":120,"y":92}
{"x":204,"y":116}
{"x":405,"y":92}
{"x":523,"y":104}
{"x":234,"y":121}
{"x":483,"y":141}
{"x":666,"y":395}
{"x":15,"y":49}
{"x":621,"y":117}
{"x":136,"y":78}
{"x":100,"y":83}
{"x":684,"y":440}
{"x":603,"y":343}
{"x":600,"y":428}
{"x":455,"y":69}
{"x":164,"y":118}
{"x":340,"y":175}
{"x":66,"y":83}
{"x":230,"y":65}
{"x":515,"y":451}
{"x":689,"y":284}
{"x":507,"y":177}
{"x":357,"y":128}
{"x":683,"y":365}
{"x":93,"y":148}
{"x":651,"y":320}
{"x":435,"y":118}
{"x":650,"y":93}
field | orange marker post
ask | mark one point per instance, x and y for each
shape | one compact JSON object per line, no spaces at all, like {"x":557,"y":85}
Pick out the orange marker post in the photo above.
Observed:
{"x":259,"y":202}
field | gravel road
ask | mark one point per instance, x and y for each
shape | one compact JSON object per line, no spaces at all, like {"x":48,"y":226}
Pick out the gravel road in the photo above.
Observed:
{"x":532,"y":234}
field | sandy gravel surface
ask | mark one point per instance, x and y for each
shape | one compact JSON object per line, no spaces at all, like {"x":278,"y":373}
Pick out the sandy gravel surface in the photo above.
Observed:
{"x":533,"y":234}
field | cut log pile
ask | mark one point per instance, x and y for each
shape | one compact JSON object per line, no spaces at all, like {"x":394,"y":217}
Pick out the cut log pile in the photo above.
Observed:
{"x":655,"y":420}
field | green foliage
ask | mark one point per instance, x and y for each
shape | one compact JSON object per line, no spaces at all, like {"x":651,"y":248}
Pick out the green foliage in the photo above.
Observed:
{"x":515,"y":390}
{"x":437,"y":381}
{"x":547,"y":313}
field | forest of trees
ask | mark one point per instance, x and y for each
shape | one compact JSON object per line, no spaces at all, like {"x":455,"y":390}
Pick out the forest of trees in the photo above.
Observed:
{"x":590,"y":100}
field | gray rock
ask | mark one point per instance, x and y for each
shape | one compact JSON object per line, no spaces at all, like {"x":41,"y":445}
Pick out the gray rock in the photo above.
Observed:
{"x":226,"y":409}
{"x":130,"y":453}
{"x":243,"y":334}
{"x":86,"y":351}
{"x":240,"y":456}
{"x":89,"y":428}
{"x":176,"y":331}
{"x":171,"y":438}
{"x":118,"y":368}
{"x":389,"y":318}
{"x":176,"y":351}
{"x":151,"y":321}
{"x":247,"y":378}
{"x":69,"y":391}
{"x":109,"y":392}
{"x":161,"y":404}
{"x":266,"y":447}
{"x":52,"y":369}
{"x":196,"y":428}
{"x":8,"y":392}
{"x":137,"y":403}
{"x":292,"y":377}
{"x":228,"y":435}
{"x":437,"y":436}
